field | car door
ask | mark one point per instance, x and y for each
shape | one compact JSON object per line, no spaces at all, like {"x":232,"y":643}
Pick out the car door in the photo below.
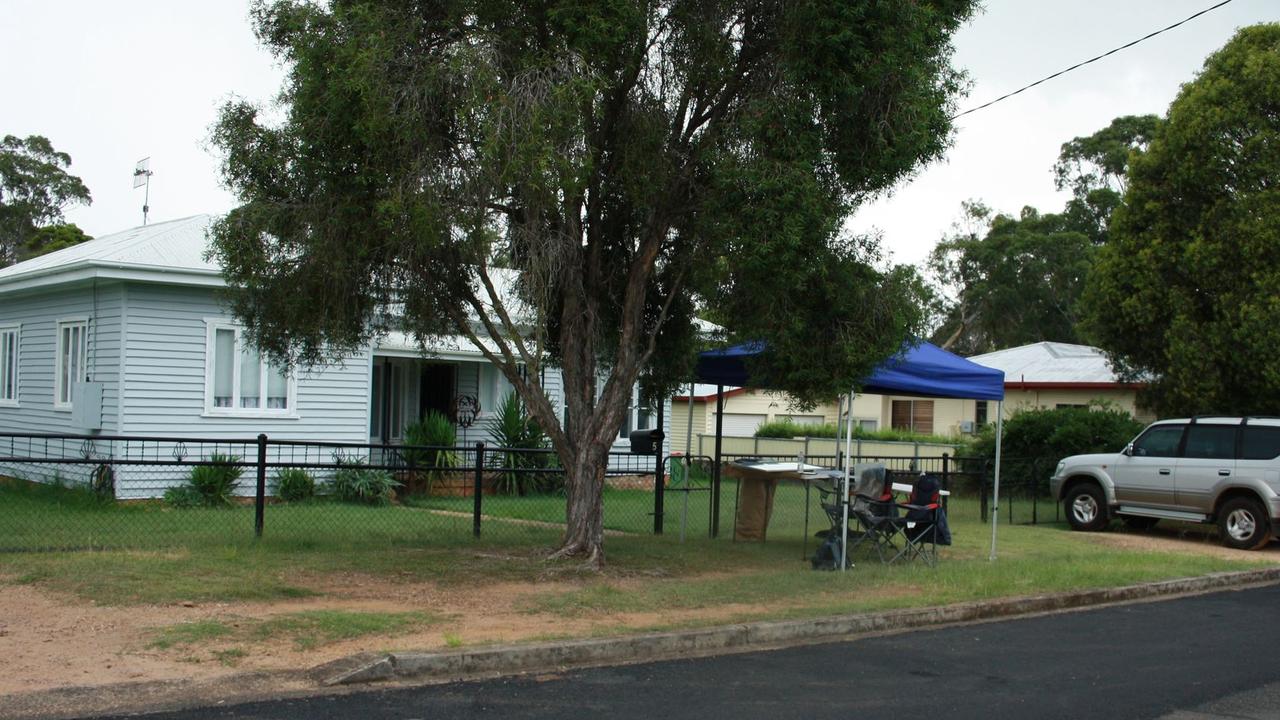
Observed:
{"x":1145,"y":476}
{"x":1208,"y":460}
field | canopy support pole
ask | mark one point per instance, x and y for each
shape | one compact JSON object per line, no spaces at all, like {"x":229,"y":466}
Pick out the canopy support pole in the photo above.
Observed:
{"x":715,"y":476}
{"x":844,"y":486}
{"x":995,"y":503}
{"x":688,"y":465}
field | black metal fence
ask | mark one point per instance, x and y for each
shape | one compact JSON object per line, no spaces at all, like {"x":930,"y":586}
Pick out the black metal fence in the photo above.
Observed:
{"x":79,"y":491}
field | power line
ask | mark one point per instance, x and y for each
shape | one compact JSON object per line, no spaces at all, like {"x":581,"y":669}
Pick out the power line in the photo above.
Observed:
{"x":1090,"y":60}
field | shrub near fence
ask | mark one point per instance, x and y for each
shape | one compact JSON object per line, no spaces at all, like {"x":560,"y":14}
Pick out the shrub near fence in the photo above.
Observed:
{"x":368,"y":493}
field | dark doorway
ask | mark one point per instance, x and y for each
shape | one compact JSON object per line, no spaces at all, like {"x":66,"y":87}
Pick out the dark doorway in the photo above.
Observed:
{"x":436,"y":391}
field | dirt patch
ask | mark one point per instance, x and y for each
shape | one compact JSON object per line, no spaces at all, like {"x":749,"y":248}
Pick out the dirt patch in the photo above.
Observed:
{"x":1184,"y":540}
{"x":51,"y":640}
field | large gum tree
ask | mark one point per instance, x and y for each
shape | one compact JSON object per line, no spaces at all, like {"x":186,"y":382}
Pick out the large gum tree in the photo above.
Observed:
{"x":566,"y":183}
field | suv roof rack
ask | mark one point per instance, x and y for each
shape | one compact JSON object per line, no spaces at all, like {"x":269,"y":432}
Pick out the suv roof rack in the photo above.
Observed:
{"x":1195,"y":418}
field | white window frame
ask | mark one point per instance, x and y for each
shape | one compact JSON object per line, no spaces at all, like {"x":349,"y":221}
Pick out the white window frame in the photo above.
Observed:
{"x":14,"y":371}
{"x":631,"y":420}
{"x":212,"y":326}
{"x":59,"y":388}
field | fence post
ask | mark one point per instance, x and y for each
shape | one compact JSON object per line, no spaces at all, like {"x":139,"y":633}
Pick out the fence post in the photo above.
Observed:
{"x":479,"y":490}
{"x":946,"y":477}
{"x":982,"y":483}
{"x":260,"y":498}
{"x":659,"y":487}
{"x":1035,"y":490}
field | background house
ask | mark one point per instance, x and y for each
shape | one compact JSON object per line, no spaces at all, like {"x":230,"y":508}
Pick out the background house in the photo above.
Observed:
{"x":1052,"y":375}
{"x":1040,"y":375}
{"x":127,"y":335}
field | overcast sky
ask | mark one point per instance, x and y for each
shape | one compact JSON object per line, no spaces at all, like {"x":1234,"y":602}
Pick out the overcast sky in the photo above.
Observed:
{"x":111,"y":83}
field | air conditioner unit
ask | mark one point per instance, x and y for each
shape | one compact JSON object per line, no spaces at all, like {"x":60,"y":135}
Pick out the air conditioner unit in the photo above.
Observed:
{"x":966,"y":426}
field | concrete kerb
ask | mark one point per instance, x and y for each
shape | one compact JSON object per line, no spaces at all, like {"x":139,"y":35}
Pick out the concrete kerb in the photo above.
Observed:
{"x":514,"y":659}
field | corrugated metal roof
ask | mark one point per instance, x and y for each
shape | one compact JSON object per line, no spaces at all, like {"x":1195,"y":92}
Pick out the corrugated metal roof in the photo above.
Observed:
{"x":173,"y":245}
{"x":1050,"y":362}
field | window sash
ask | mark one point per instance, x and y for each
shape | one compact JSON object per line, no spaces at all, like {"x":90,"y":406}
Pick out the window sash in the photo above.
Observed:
{"x":913,"y":415}
{"x":71,"y":361}
{"x":239,"y":380}
{"x":9,"y":365}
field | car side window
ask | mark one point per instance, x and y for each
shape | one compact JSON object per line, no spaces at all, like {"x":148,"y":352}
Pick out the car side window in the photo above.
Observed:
{"x":1260,"y":443}
{"x":1160,"y":441}
{"x":1210,"y":441}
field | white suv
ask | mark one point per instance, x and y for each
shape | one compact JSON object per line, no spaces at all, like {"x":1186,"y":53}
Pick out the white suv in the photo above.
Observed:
{"x":1201,"y":469}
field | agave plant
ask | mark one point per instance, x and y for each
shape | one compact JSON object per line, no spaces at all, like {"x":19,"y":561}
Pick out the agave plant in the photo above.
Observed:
{"x":429,"y":442}
{"x":512,"y":428}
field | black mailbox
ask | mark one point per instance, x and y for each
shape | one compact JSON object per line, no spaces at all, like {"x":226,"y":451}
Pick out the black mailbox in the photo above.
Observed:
{"x":643,"y":442}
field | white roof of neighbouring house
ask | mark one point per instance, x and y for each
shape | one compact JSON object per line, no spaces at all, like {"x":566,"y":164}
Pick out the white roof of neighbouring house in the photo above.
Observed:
{"x":173,"y":249}
{"x":1051,"y":363}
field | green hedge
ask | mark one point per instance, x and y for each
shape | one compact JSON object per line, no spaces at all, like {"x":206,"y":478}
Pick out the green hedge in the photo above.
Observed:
{"x":786,"y":429}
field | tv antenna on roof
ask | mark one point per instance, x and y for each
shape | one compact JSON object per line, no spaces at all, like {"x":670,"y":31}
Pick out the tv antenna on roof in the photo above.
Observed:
{"x":142,"y":177}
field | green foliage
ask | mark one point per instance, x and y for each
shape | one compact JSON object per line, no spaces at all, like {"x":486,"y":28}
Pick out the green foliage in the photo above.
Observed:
{"x":34,"y":190}
{"x":623,"y":162}
{"x":788,"y":429}
{"x":1016,"y":280}
{"x":1101,"y":160}
{"x":294,"y":484}
{"x":52,"y":238}
{"x":427,"y":443}
{"x":511,"y":427}
{"x":211,"y":485}
{"x":357,"y":484}
{"x":183,"y":496}
{"x":1035,"y":440}
{"x":1186,"y":294}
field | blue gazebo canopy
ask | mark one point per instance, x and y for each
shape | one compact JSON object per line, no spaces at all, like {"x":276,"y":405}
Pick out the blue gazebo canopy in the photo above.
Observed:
{"x":922,"y":370}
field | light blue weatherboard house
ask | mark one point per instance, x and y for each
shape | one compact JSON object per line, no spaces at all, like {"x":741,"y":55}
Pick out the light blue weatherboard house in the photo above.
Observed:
{"x":125,"y":335}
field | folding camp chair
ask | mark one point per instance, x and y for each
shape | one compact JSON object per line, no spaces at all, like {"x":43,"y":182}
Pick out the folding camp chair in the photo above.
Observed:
{"x":870,"y":506}
{"x":872,"y":509}
{"x":924,"y":526}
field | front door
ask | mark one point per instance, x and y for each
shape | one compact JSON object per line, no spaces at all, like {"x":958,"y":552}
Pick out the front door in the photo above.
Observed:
{"x":436,"y":389}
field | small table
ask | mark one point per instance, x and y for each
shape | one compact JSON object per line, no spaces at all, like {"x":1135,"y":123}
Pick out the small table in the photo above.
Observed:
{"x":757,"y":482}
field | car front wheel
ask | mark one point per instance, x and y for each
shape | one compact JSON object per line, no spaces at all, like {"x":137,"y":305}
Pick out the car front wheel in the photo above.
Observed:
{"x":1244,"y":524}
{"x":1086,"y":507}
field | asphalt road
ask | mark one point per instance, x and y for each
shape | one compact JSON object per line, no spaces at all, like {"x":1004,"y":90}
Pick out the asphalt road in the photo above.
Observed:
{"x":1213,"y":656}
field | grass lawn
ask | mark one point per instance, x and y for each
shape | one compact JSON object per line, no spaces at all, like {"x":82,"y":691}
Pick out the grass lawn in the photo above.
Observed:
{"x":148,"y":554}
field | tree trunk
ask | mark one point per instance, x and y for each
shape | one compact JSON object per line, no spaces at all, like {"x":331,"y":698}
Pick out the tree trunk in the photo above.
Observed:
{"x":584,"y":506}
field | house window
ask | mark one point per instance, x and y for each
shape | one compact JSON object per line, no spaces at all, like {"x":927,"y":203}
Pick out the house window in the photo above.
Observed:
{"x":868,"y":425}
{"x":913,"y":415}
{"x":71,"y":361}
{"x":980,"y":413}
{"x":9,"y":365}
{"x":1075,"y":406}
{"x":636,"y":416}
{"x":239,"y":380}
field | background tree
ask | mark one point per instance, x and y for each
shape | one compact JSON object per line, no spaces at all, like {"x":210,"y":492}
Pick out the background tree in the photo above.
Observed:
{"x":1002,"y":281}
{"x":51,"y":238}
{"x":1186,"y":294}
{"x":1093,"y":168}
{"x":35,"y":188}
{"x":624,"y":161}
{"x":1014,"y":280}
